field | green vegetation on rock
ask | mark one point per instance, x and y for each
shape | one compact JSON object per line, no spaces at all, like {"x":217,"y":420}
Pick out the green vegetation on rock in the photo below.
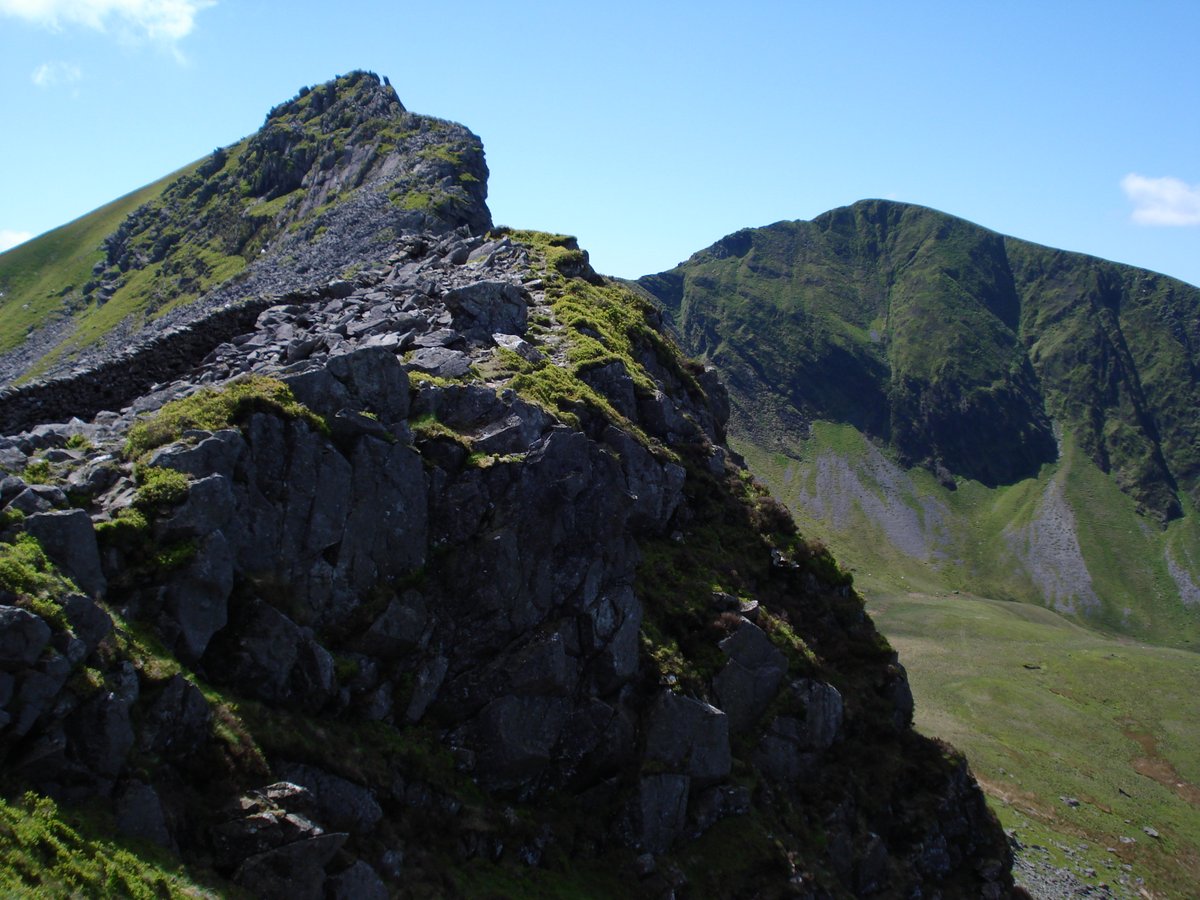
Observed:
{"x":212,"y":409}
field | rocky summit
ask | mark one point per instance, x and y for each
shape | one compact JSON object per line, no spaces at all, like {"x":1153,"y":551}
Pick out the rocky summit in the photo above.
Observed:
{"x":430,"y":574}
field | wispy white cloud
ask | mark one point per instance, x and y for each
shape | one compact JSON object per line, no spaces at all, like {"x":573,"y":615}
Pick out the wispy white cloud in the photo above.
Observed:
{"x":49,"y":74}
{"x":1162,"y":201}
{"x":165,"y":21}
{"x":10,"y":238}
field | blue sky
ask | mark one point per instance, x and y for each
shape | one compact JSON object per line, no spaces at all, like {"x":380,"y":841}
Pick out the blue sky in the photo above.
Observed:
{"x":651,"y":129}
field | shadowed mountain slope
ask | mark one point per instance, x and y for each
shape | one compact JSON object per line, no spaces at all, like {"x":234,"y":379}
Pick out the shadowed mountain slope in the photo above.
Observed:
{"x":956,"y":346}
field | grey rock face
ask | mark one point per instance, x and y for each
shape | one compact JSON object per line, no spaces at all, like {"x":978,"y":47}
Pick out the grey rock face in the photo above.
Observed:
{"x":689,"y":736}
{"x":195,"y":601}
{"x":441,"y":362}
{"x":140,"y":814}
{"x":213,"y":455}
{"x":276,"y":661}
{"x":340,"y":804}
{"x":374,"y":380}
{"x":23,"y":636}
{"x":90,"y":623}
{"x":751,"y":678}
{"x":518,"y":736}
{"x":102,"y":734}
{"x":659,"y":812}
{"x":486,"y":307}
{"x":70,"y":541}
{"x":176,"y":724}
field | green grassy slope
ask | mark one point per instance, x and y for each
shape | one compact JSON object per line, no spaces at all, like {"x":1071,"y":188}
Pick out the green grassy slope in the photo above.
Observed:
{"x":37,"y":278}
{"x":1046,"y":710}
{"x":1068,"y":539}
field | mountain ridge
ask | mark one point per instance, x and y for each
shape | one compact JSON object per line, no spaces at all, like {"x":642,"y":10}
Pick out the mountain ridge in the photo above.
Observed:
{"x":257,"y":217}
{"x":436,"y":577}
{"x":917,"y":312}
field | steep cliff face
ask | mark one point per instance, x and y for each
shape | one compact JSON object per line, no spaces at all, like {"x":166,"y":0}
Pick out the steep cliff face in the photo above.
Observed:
{"x":441,"y":581}
{"x":955,"y":345}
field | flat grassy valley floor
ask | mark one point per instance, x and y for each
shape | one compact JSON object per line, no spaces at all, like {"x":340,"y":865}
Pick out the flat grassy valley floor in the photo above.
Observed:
{"x":1087,"y":746}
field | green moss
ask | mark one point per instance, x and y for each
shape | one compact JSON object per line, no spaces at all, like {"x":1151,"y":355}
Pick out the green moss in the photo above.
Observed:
{"x":175,"y":556}
{"x":428,"y":426}
{"x":159,"y":488}
{"x":441,"y":153}
{"x":38,"y":472}
{"x":79,"y":442}
{"x":211,"y":410}
{"x":27,"y":572}
{"x":129,"y":528}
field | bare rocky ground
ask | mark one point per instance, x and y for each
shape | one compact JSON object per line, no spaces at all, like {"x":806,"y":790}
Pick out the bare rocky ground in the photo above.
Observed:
{"x":1034,"y":870}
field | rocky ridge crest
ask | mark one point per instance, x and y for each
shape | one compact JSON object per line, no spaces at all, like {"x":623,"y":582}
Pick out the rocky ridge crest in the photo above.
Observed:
{"x":438,"y":613}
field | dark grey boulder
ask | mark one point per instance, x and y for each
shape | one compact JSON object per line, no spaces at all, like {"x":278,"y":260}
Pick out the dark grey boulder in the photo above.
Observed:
{"x":11,"y":486}
{"x":216,"y":454}
{"x":262,"y":820}
{"x":93,"y":477}
{"x":751,"y":678}
{"x":90,"y":623}
{"x":359,"y":882}
{"x":139,"y":814}
{"x":517,"y":737}
{"x":176,"y":724}
{"x":823,"y":713}
{"x":612,"y":381}
{"x":440,"y":362}
{"x":375,"y":379}
{"x":428,"y":682}
{"x":37,"y":691}
{"x":654,"y":487}
{"x":101,"y":734}
{"x":69,"y":540}
{"x":294,"y":871}
{"x":340,"y":804}
{"x":899,"y":692}
{"x":399,"y":627}
{"x":718,"y":803}
{"x":208,"y":508}
{"x":39,"y":498}
{"x":319,"y":390}
{"x":196,"y":599}
{"x":486,"y":307}
{"x":611,"y":628}
{"x":659,"y":811}
{"x":385,"y":532}
{"x":275,"y":660}
{"x":23,"y":636}
{"x":690,"y":737}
